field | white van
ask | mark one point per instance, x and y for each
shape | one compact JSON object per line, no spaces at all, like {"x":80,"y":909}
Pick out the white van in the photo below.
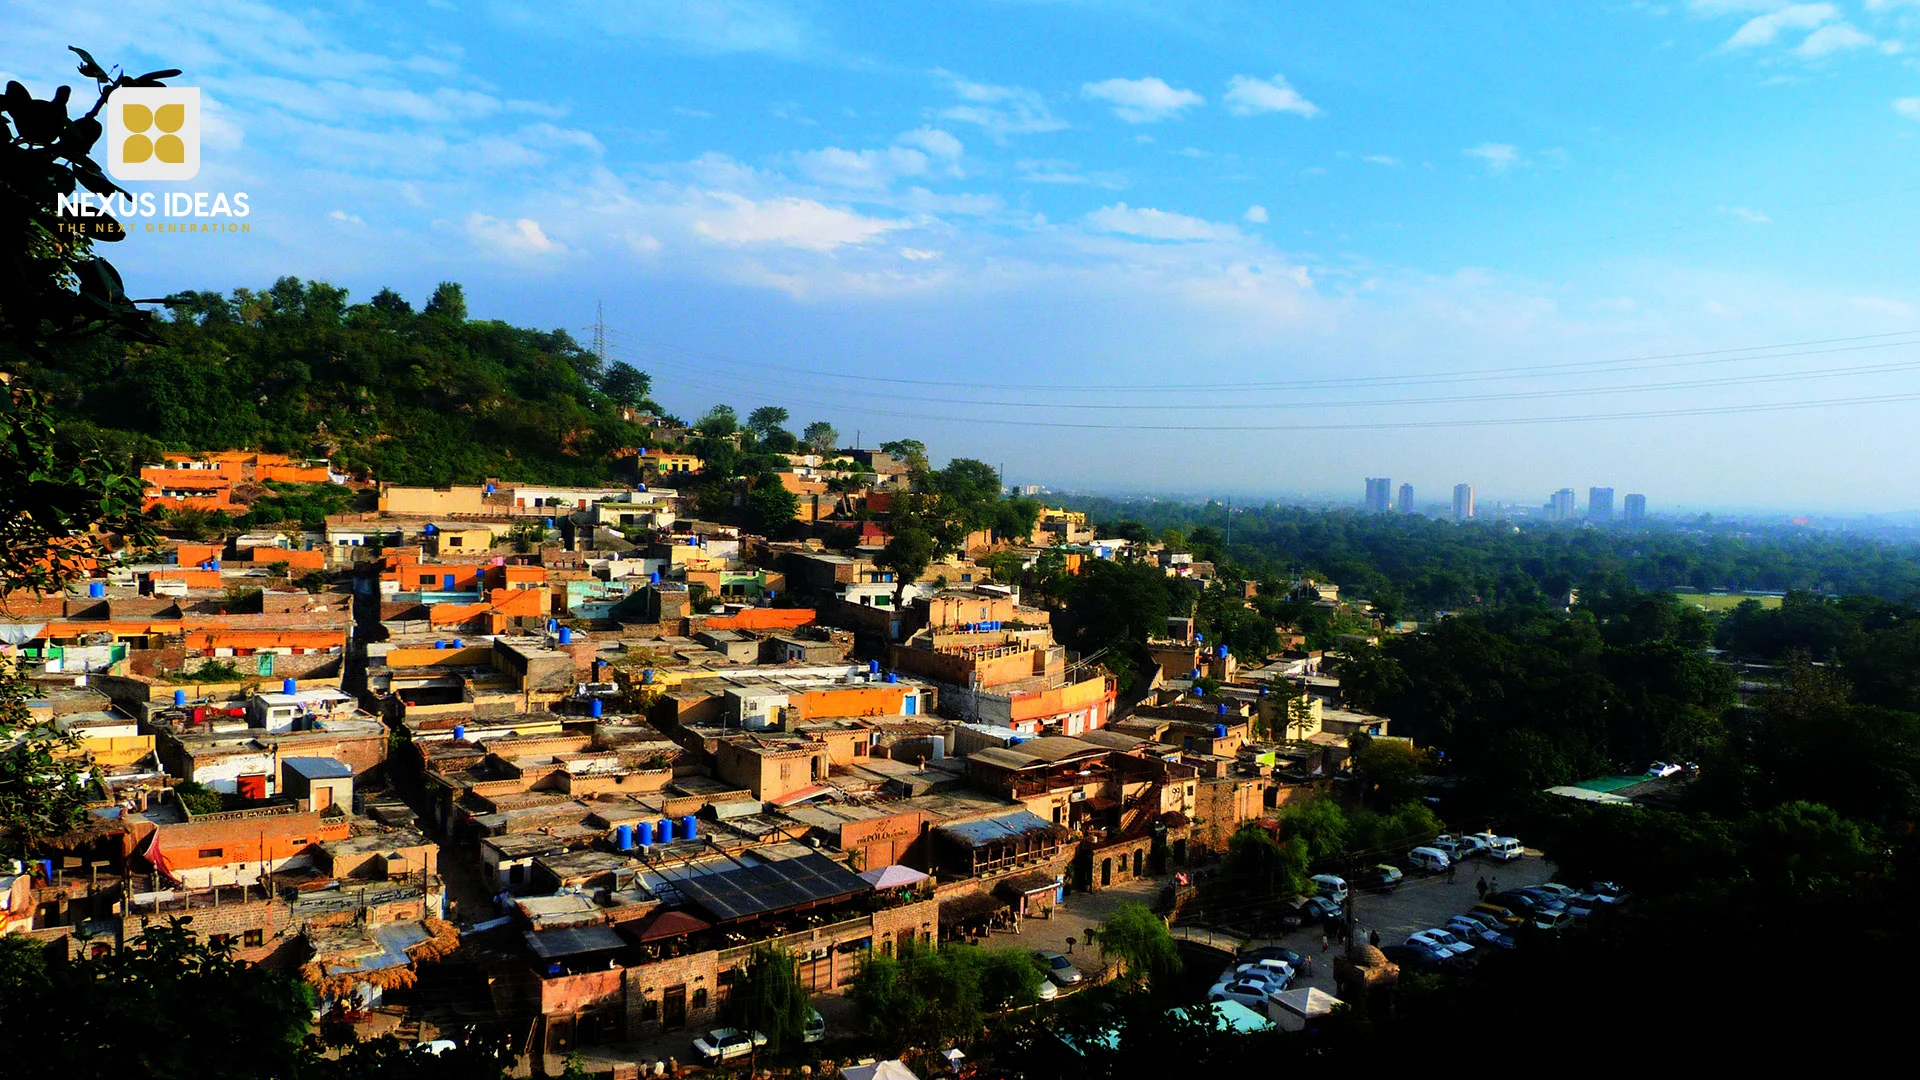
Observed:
{"x":1428,"y":860}
{"x":1331,"y":887}
{"x":1505,"y":848}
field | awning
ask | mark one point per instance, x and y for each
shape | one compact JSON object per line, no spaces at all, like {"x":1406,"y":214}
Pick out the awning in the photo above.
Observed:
{"x":1021,"y":885}
{"x":800,"y":795}
{"x":662,"y":924}
{"x":892,"y":877}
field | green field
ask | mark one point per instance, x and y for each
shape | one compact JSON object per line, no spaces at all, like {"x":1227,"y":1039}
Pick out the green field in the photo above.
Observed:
{"x":1724,"y":601}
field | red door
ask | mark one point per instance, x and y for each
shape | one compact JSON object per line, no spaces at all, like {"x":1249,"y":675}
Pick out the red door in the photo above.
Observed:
{"x":253,"y":787}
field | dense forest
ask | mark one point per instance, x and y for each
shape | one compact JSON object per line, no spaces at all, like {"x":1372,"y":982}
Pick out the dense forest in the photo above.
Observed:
{"x":414,"y":397}
{"x":1408,"y":563}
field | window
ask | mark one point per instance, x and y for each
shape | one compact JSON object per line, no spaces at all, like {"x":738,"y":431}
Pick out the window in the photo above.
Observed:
{"x":212,"y":853}
{"x":217,"y":940}
{"x":253,"y":939}
{"x":426,"y":580}
{"x":699,"y":998}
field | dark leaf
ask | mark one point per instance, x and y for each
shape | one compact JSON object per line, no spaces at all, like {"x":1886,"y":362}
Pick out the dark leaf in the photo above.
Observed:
{"x":88,"y":66}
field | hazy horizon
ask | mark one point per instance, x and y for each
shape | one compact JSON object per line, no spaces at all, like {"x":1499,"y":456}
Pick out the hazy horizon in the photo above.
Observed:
{"x":1114,"y":246}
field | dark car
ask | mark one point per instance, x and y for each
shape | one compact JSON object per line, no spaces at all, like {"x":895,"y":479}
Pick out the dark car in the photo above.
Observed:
{"x":1529,"y":904}
{"x":1318,"y":909}
{"x":1381,"y":878}
{"x":1270,"y":952}
{"x":1418,"y":958}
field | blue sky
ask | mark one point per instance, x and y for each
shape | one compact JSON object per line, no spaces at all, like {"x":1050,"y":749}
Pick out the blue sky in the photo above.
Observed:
{"x":1234,"y":248}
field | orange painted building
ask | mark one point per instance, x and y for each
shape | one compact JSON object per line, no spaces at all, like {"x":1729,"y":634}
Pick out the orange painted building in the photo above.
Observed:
{"x":497,"y":612}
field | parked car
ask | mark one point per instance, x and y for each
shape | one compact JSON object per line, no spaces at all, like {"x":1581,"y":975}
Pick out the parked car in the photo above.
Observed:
{"x":1478,"y":933}
{"x":1429,"y":860}
{"x":1332,"y":887}
{"x":1440,"y":941}
{"x":1271,"y":952}
{"x":814,"y":1028}
{"x":1556,"y":920}
{"x":1273,"y":981}
{"x":1469,"y":847}
{"x":1380,"y":878}
{"x":1419,"y":958}
{"x":1581,"y":904}
{"x":1506,"y":915}
{"x":1608,"y":893}
{"x":726,"y":1044}
{"x":1504,"y":848}
{"x":1252,"y":994}
{"x":1276,"y":969}
{"x":1318,"y":908}
{"x":1661,"y":769}
{"x":1481,"y":918}
{"x":1059,"y":968}
{"x":1048,"y":991}
{"x":1528,"y":903}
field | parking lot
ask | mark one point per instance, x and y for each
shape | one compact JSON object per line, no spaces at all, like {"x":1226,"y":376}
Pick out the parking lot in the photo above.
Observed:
{"x":1419,"y":903}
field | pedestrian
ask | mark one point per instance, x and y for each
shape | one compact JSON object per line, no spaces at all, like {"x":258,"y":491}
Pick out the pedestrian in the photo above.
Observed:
{"x":1481,"y":885}
{"x":1453,"y":872}
{"x":1306,"y":964}
{"x":1325,"y":942}
{"x":1373,"y":938}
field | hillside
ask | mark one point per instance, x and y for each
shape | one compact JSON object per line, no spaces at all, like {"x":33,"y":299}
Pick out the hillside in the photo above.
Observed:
{"x":412,"y":397}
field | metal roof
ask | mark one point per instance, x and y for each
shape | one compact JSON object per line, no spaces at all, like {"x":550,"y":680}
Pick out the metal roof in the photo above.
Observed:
{"x":757,"y":890}
{"x":1014,"y":826}
{"x":572,"y":941}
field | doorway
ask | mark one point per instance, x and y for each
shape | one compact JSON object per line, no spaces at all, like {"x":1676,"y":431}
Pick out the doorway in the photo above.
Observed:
{"x":673,"y":1008}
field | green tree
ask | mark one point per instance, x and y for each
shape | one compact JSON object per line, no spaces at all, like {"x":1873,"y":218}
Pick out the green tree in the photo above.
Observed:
{"x":771,"y":1000}
{"x":766,"y":420}
{"x":1257,"y":866}
{"x":626,"y":384}
{"x":448,"y":302}
{"x":720,"y":422}
{"x":820,"y":437}
{"x":770,"y":506}
{"x":921,"y":997}
{"x":908,"y":553}
{"x":1139,"y":938}
{"x":911,"y":451}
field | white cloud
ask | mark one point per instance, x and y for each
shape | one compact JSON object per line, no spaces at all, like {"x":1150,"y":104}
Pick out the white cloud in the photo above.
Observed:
{"x":1748,"y":215}
{"x":1764,"y":29}
{"x":1247,"y":96}
{"x":871,"y":170}
{"x":1154,"y":224}
{"x":934,"y":141}
{"x":918,"y":254}
{"x":342,"y":215}
{"x":1880,"y":305}
{"x":1383,"y":159}
{"x":519,"y":237}
{"x":789,"y":221}
{"x":1256,"y":214}
{"x":1142,"y":101}
{"x":1841,"y":37}
{"x":1908,"y":107}
{"x":1000,"y":111}
{"x":1497,"y":157}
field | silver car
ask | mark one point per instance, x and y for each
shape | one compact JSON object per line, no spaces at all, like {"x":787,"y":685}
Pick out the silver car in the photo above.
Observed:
{"x":1059,"y":968}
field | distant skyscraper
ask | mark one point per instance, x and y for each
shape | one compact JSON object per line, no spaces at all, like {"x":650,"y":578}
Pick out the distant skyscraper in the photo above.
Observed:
{"x":1462,"y":502}
{"x":1379,"y":494}
{"x":1561,"y":506}
{"x":1636,"y":508}
{"x":1405,"y":503}
{"x":1599,"y":504}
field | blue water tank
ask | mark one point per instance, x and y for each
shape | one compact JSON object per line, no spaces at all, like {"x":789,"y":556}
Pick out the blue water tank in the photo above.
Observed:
{"x":179,"y":698}
{"x":873,"y":667}
{"x":552,"y":625}
{"x":459,"y":644}
{"x":1220,"y":652}
{"x":288,"y":686}
{"x":689,"y":828}
{"x":1221,"y":708}
{"x":1195,"y":675}
{"x":666,"y":830}
{"x":1219,"y":731}
{"x":654,"y":577}
{"x":1200,"y":638}
{"x":893,"y":676}
{"x":646,"y":834}
{"x":594,"y":709}
{"x":459,"y":733}
{"x":214,"y":565}
{"x":96,"y":589}
{"x":430,"y":530}
{"x":441,"y":644}
{"x":549,"y":523}
{"x":566,"y":635}
{"x":646,"y":676}
{"x":623,"y":836}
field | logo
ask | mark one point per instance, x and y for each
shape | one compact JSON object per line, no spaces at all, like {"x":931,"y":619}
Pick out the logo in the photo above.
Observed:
{"x":153,"y":133}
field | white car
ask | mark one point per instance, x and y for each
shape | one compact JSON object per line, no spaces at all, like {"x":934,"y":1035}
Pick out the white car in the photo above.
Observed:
{"x":1278,"y":969}
{"x":1331,"y":886}
{"x":1661,"y":769}
{"x":1252,"y":994}
{"x":726,"y":1044}
{"x":1440,"y":941}
{"x":1047,"y":990}
{"x":1504,"y":848}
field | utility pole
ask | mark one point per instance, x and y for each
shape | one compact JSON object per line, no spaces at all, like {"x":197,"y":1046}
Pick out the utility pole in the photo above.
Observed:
{"x":600,"y":331}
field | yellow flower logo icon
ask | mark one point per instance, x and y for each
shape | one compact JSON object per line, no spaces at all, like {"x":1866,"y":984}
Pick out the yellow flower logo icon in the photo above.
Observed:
{"x":154,"y":133}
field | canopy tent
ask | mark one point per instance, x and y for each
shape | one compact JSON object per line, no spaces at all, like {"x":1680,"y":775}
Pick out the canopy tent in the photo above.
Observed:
{"x":892,"y":877}
{"x":889,"y":1069}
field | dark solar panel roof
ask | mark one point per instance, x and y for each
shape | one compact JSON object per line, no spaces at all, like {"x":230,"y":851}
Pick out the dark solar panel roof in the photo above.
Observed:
{"x":757,"y":890}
